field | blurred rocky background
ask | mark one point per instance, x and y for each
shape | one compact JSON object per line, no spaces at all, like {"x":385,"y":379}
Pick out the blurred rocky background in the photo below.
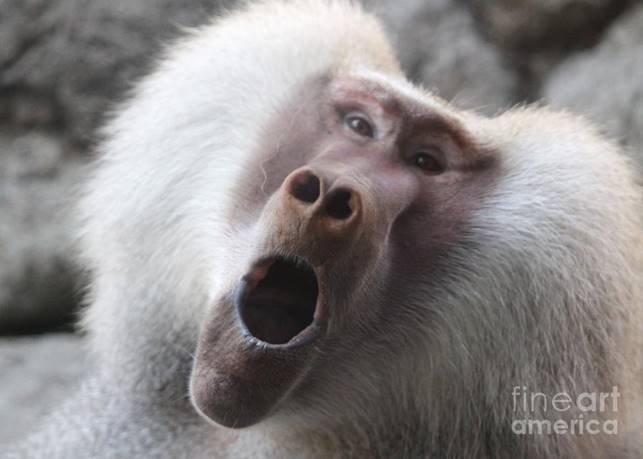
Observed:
{"x":64,"y":64}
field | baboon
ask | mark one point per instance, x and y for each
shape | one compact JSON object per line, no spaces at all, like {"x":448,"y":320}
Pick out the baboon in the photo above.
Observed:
{"x":296,"y":252}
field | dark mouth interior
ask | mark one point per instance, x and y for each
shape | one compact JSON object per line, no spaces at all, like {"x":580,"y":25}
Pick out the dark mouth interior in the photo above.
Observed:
{"x":282,"y":304}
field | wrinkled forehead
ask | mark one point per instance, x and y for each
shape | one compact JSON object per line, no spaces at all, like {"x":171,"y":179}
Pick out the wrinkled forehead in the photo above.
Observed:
{"x":394,"y":94}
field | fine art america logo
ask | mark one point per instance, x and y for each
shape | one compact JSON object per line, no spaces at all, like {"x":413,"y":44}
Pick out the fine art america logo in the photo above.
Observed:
{"x":588,"y":413}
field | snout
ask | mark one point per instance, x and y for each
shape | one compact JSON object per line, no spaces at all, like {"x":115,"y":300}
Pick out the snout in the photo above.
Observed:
{"x":316,"y":215}
{"x":322,"y":239}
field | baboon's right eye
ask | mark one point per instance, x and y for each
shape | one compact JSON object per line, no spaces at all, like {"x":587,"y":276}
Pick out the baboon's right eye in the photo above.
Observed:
{"x":359,"y":124}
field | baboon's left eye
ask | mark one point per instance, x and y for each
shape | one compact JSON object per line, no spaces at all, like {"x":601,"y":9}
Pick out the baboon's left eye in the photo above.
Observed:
{"x":429,"y":163}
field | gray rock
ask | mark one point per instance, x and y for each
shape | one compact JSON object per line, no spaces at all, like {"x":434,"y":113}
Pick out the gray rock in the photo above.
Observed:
{"x":545,"y":25}
{"x":440,"y":47}
{"x":606,"y":83}
{"x":64,"y":62}
{"x":36,"y":374}
{"x":37,"y":184}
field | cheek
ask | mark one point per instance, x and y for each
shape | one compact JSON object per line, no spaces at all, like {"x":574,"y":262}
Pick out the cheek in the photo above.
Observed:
{"x":423,"y":236}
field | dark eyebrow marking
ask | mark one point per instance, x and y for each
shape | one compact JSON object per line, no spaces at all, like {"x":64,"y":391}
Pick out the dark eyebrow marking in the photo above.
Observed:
{"x":482,"y":162}
{"x":438,"y":122}
{"x":476,"y":156}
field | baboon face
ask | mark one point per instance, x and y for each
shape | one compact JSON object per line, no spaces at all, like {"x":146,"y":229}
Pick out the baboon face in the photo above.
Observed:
{"x":366,"y":190}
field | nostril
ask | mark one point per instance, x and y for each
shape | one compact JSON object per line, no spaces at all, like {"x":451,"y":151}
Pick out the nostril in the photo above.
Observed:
{"x":338,"y":204}
{"x":305,"y":187}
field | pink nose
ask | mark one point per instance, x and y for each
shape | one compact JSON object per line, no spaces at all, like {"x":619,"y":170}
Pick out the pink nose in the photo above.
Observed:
{"x":327,"y":207}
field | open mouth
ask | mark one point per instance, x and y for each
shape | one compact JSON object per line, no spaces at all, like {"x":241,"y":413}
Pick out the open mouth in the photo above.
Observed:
{"x":278,"y":300}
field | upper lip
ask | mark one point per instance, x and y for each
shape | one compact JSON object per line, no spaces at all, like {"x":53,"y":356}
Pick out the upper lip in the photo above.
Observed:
{"x":278,"y":302}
